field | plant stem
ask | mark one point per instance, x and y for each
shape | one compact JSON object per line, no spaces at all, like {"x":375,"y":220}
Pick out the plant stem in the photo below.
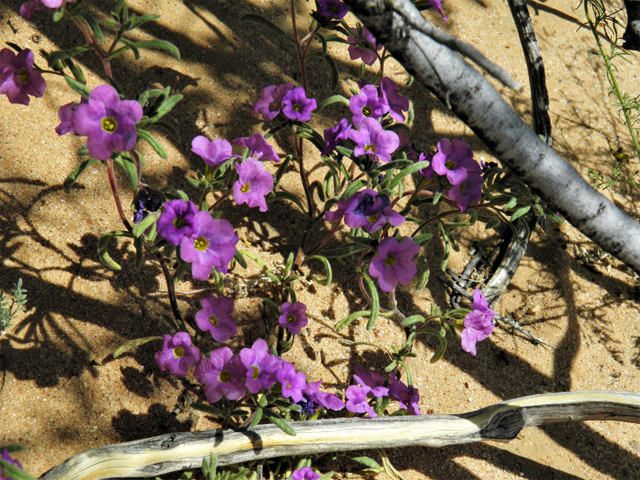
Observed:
{"x":116,"y":195}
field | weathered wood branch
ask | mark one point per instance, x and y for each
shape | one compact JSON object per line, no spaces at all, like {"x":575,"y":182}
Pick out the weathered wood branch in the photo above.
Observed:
{"x":476,"y":102}
{"x":502,"y":421}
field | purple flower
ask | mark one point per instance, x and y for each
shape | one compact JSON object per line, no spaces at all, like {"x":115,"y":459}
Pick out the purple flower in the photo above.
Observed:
{"x":213,"y":245}
{"x":332,"y":135}
{"x":467,"y":192}
{"x":455,"y":160}
{"x":269,"y":105}
{"x":292,"y":382}
{"x":260,"y":366}
{"x":65,"y":114}
{"x":222,"y":375}
{"x":7,"y":458}
{"x":214,"y":152}
{"x":397,"y":103}
{"x":305,"y":473}
{"x":28,"y":9}
{"x":407,"y":397}
{"x":429,"y":171}
{"x":478,"y":324}
{"x":177,"y":221}
{"x":327,"y":400}
{"x":366,"y":209}
{"x":146,"y":203}
{"x":372,"y":140}
{"x":253,"y":184}
{"x":357,"y":401}
{"x":363,"y":46}
{"x":393,"y":264}
{"x":109,"y":123}
{"x":372,"y":380}
{"x":367,"y":105}
{"x":293,"y":317}
{"x":335,"y":9}
{"x":177,"y":354}
{"x":296,"y":105}
{"x":437,"y":6}
{"x":216,"y":317}
{"x":258,"y":147}
{"x":18,"y":79}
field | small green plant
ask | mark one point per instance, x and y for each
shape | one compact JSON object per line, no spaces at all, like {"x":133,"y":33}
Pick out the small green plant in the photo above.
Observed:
{"x":11,"y":305}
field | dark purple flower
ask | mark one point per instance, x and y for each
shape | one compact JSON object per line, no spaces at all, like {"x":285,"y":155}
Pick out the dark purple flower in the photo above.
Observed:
{"x":177,"y":221}
{"x":367,"y":105}
{"x":335,"y":9}
{"x":258,"y":147}
{"x":363,"y":46}
{"x":293,"y":317}
{"x":327,"y":400}
{"x":429,"y":171}
{"x":253,"y":183}
{"x":214,"y":152}
{"x":177,"y":354}
{"x":372,"y":139}
{"x":222,"y":375}
{"x":397,"y":103}
{"x":437,"y":6}
{"x":216,"y":317}
{"x":467,"y":192}
{"x":332,"y":135}
{"x":393,"y":264}
{"x":407,"y":397}
{"x":109,"y":124}
{"x":146,"y":203}
{"x":478,"y":324}
{"x":296,"y":105}
{"x":212,"y":245}
{"x":18,"y":79}
{"x":269,"y":105}
{"x":7,"y":458}
{"x":373,"y":380}
{"x":357,"y":401}
{"x":260,"y":366}
{"x":28,"y":9}
{"x":455,"y":160}
{"x":366,"y":209}
{"x":292,"y":382}
{"x":305,"y":473}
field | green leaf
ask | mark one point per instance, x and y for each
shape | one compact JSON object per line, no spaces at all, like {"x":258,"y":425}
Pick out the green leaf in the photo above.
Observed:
{"x":143,"y":19}
{"x":168,"y":47}
{"x":13,"y":472}
{"x":353,"y":188}
{"x":80,"y":88}
{"x":331,"y":100}
{"x":103,"y":255}
{"x":344,"y":250}
{"x":57,"y":16}
{"x":512,"y":203}
{"x":251,"y":18}
{"x":520,"y":212}
{"x":138,"y":243}
{"x":327,"y":268}
{"x":279,"y":422}
{"x":365,"y":461}
{"x":170,"y":130}
{"x":12,"y":447}
{"x":257,"y":416}
{"x":73,"y":176}
{"x":281,"y":171}
{"x":208,"y":409}
{"x":349,"y":319}
{"x":133,"y":344}
{"x":166,"y":106}
{"x":151,"y":140}
{"x":240,"y":259}
{"x":132,"y":46}
{"x":407,"y":171}
{"x":95,"y":28}
{"x":313,"y":136}
{"x":129,"y":167}
{"x":413,"y":319}
{"x":287,"y":196}
{"x":335,"y":73}
{"x":375,"y":301}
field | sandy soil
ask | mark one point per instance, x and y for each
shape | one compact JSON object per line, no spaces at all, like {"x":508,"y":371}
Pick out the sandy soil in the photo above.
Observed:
{"x":61,"y":391}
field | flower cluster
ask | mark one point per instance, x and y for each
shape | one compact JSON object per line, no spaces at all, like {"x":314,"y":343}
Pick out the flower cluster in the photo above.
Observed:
{"x":372,"y":384}
{"x":204,"y":242}
{"x":291,"y":102}
{"x":478,"y":324}
{"x":18,"y":79}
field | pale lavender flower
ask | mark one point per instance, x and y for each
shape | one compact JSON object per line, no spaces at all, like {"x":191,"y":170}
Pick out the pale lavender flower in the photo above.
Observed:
{"x":313,"y":395}
{"x":296,"y":105}
{"x":332,"y":135}
{"x":260,"y":366}
{"x":65,"y":114}
{"x":214,"y":152}
{"x":437,"y":6}
{"x":293,"y":317}
{"x":335,"y":9}
{"x":177,"y":354}
{"x":269,"y":104}
{"x":455,"y":160}
{"x":258,"y":147}
{"x":222,"y":375}
{"x":292,"y":382}
{"x":177,"y":221}
{"x":253,"y":183}
{"x":373,"y":380}
{"x":212,"y":245}
{"x":363,"y":46}
{"x":397,"y":103}
{"x":467,"y":192}
{"x":18,"y":79}
{"x":478,"y":324}
{"x":367,"y":105}
{"x":305,"y":473}
{"x":357,"y":400}
{"x":372,"y":139}
{"x":407,"y":397}
{"x":366,"y":209}
{"x":216,"y":317}
{"x":393,"y":263}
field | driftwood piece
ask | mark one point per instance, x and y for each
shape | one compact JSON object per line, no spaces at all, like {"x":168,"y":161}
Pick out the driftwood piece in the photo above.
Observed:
{"x":502,"y":421}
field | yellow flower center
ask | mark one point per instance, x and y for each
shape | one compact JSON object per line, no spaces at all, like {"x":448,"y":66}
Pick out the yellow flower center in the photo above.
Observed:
{"x":450,"y":165}
{"x":296,"y":107}
{"x":291,"y":318}
{"x":178,"y":222}
{"x":224,"y":376}
{"x":213,"y":320}
{"x":288,"y":385}
{"x":23,"y":76}
{"x":178,"y":352}
{"x":246,"y":187}
{"x":373,"y":218}
{"x":200,"y":243}
{"x":390,"y":260}
{"x":370,"y":148}
{"x":366,"y":111}
{"x":109,"y":124}
{"x":256,"y":372}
